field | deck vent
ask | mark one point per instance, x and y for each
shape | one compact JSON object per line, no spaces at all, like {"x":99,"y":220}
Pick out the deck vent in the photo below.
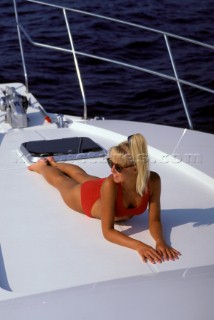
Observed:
{"x":64,"y":149}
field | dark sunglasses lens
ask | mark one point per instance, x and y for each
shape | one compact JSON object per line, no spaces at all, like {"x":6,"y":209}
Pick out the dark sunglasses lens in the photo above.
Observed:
{"x":110,"y":163}
{"x":118,"y":167}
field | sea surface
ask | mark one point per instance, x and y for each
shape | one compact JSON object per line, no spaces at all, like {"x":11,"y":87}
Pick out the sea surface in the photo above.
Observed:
{"x":112,"y":91}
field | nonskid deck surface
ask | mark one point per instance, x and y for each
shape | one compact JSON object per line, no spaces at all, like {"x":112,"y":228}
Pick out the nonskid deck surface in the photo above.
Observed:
{"x":45,"y":246}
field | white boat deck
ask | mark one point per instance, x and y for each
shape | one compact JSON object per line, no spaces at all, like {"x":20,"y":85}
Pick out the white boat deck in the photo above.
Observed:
{"x":45,"y":246}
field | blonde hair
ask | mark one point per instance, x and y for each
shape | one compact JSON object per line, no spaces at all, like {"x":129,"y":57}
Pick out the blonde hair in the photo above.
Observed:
{"x":134,"y":151}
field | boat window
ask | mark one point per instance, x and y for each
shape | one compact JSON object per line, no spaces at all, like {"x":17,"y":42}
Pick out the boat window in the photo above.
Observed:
{"x":62,"y":149}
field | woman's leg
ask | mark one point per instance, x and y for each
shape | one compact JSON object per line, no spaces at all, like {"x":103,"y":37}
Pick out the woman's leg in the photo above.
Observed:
{"x":72,"y":170}
{"x":68,"y":187}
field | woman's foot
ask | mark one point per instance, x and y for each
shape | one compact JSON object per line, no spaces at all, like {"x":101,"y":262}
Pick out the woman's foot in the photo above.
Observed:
{"x":51,"y":161}
{"x":37,"y":167}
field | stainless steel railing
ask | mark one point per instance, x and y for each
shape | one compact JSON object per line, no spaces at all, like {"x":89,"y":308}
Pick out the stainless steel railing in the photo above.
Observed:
{"x":75,"y":53}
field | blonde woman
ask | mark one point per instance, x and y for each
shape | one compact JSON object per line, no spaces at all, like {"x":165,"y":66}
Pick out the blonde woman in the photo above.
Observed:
{"x":127,"y":192}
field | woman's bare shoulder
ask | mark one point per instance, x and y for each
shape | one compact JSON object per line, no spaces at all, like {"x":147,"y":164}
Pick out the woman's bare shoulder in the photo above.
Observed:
{"x":154,"y":176}
{"x":109,"y":190}
{"x":109,"y":183}
{"x":155,"y":183}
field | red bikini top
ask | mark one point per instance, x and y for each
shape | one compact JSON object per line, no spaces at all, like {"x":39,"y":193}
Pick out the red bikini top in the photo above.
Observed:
{"x":121,"y":211}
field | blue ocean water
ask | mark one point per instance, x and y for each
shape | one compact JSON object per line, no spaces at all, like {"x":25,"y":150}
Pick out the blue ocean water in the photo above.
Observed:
{"x":112,"y":91}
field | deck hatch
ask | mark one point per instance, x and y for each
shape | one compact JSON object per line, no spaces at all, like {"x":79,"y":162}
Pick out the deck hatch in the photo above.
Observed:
{"x":62,"y":149}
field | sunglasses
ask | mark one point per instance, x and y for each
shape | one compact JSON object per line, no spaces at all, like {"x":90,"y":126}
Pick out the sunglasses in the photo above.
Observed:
{"x":117,"y":166}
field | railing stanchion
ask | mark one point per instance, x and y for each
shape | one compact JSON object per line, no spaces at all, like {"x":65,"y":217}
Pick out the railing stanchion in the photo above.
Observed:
{"x":178,"y":82}
{"x":21,"y":47}
{"x":76,"y":65}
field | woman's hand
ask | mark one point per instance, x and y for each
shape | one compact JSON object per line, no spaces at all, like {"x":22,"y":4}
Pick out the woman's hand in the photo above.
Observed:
{"x":166,"y":252}
{"x":147,"y":253}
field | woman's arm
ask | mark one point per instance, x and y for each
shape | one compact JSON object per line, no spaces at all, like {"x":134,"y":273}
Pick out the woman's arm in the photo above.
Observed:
{"x":108,"y":196}
{"x":155,"y":225}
